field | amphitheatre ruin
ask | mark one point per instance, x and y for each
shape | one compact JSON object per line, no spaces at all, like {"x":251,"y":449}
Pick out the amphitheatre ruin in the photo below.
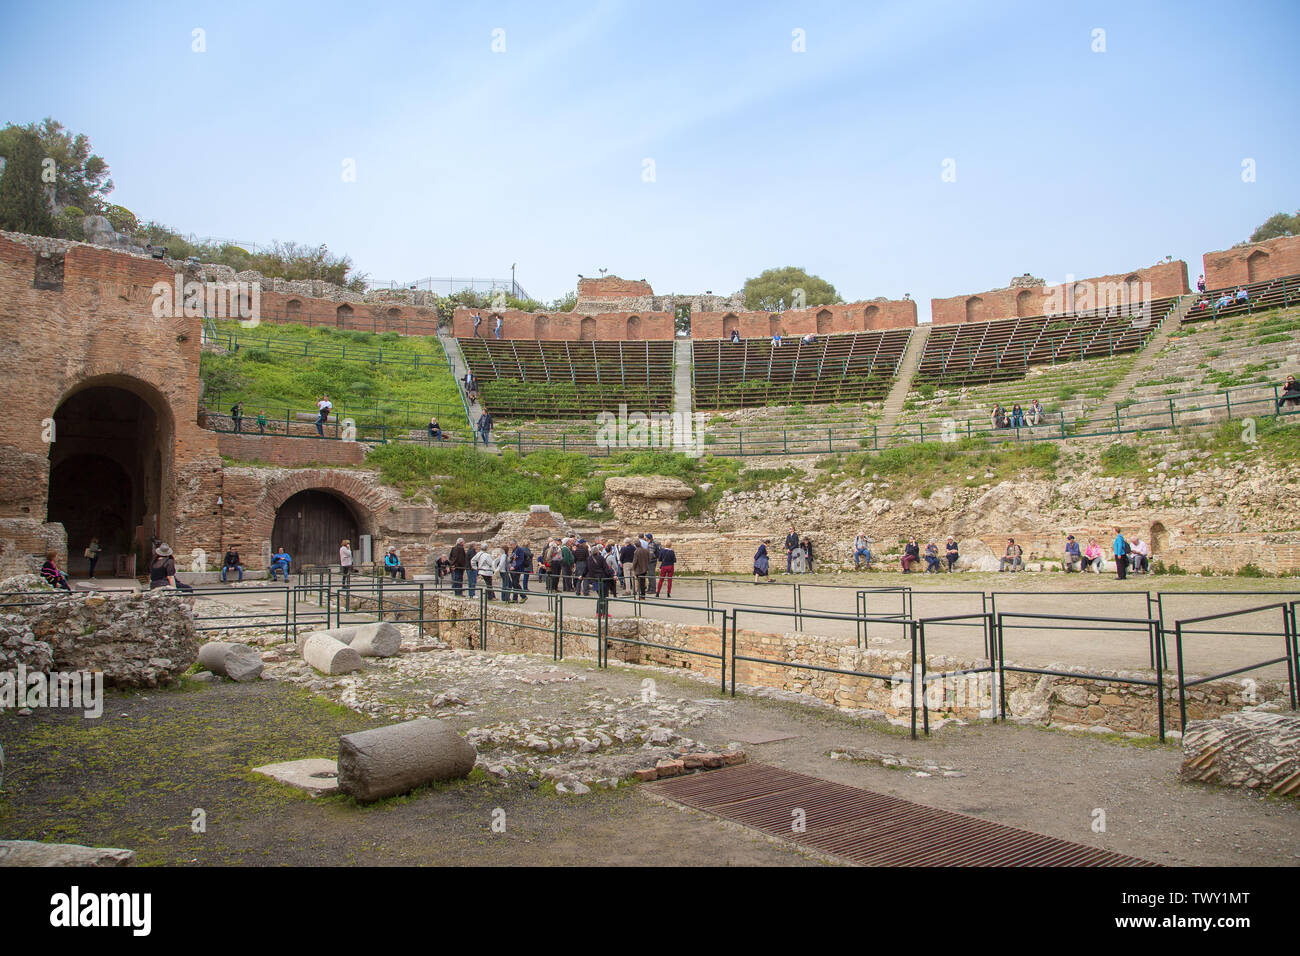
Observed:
{"x":1011,"y":706}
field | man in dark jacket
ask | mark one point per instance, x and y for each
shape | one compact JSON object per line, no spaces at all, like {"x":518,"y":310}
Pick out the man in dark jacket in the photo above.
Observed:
{"x":527,"y":570}
{"x":231,"y":563}
{"x":642,"y":562}
{"x":580,"y":555}
{"x":459,"y":562}
{"x":791,"y":542}
{"x":567,"y":562}
{"x":515,"y":571}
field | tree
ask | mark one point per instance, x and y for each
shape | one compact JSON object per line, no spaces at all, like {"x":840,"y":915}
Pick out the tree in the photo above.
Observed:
{"x":24,"y":202}
{"x":81,"y":177}
{"x":772,"y":287}
{"x":1278,"y":225}
{"x":682,"y":320}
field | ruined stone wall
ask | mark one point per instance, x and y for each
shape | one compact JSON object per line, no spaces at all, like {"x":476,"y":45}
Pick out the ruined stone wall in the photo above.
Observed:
{"x":1241,"y":265}
{"x":1166,"y":278}
{"x":283,"y":452}
{"x":573,"y":326}
{"x":1042,"y":699}
{"x":822,"y":320}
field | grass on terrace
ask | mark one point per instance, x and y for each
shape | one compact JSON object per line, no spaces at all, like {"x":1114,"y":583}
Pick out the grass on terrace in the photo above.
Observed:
{"x":301,"y":363}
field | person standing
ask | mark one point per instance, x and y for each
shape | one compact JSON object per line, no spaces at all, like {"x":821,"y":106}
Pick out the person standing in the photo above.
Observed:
{"x":581,"y":555}
{"x":791,"y":544}
{"x":516,"y":572}
{"x":323,"y":414}
{"x":807,"y":554}
{"x":345,"y":560}
{"x":478,"y":320}
{"x":1121,"y":551}
{"x":92,"y":555}
{"x":642,"y":562}
{"x":567,"y":562}
{"x":471,"y":569}
{"x":237,"y":414}
{"x":261,"y":421}
{"x":496,"y":330}
{"x":486,"y":567}
{"x":459,"y":562}
{"x":667,"y":561}
{"x":625,"y":556}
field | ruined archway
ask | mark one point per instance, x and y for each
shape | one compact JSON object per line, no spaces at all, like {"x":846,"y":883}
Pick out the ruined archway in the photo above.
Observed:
{"x":974,"y":309}
{"x":293,"y":310}
{"x":541,"y":327}
{"x":1256,"y":265}
{"x":111,"y":469}
{"x":393,"y":320}
{"x":729,"y":324}
{"x":870,"y":317}
{"x":342,"y":316}
{"x":312,"y":523}
{"x":634,"y":327}
{"x":824,"y":322}
{"x":1025,"y":304}
{"x":587,"y":330}
{"x":1159,"y":539}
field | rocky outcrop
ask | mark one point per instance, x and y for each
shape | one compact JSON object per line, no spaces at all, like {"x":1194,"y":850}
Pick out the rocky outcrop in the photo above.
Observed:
{"x":646,"y":497}
{"x":136,"y":640}
{"x":1253,"y":749}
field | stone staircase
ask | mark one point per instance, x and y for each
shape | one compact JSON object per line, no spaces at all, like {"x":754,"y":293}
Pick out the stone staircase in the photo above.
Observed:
{"x":683,"y":364}
{"x":1150,"y":352}
{"x":456,"y":361}
{"x":903,"y":381}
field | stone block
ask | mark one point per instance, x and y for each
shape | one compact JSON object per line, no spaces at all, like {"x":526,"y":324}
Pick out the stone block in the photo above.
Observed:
{"x":239,"y":662}
{"x":330,"y":656}
{"x":386,"y":761}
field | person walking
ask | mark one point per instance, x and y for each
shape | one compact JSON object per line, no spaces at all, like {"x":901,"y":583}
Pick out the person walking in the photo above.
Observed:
{"x":1120,"y":549}
{"x":517,"y":563}
{"x":485,"y":427}
{"x":478,"y":320}
{"x":92,"y":555}
{"x":345,"y":561}
{"x":762,"y":563}
{"x":667,"y":561}
{"x":496,"y":330}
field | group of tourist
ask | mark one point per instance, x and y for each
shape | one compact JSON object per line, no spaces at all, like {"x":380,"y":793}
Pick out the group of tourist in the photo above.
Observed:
{"x":1017,"y":417}
{"x":478,"y":320}
{"x":1242,"y":295}
{"x":603,"y":568}
{"x":237,"y":417}
{"x":912,"y":555}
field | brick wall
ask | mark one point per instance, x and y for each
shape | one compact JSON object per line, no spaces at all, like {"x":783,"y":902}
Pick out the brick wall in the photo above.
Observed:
{"x":567,"y":326}
{"x":362,"y":316}
{"x":1167,"y":279}
{"x":1251,"y":263}
{"x":290,"y":452}
{"x":851,"y":317}
{"x":612,"y":287}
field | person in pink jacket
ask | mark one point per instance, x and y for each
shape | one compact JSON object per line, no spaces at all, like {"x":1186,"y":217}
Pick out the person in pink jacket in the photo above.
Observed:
{"x":1092,"y":556}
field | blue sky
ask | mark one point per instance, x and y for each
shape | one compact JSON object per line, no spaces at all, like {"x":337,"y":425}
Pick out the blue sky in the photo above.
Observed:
{"x":467,"y":160}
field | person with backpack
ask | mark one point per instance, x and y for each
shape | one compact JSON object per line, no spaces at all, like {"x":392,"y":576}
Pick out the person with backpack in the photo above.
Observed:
{"x":393,"y":564}
{"x":567,"y":563}
{"x":1121,"y":551}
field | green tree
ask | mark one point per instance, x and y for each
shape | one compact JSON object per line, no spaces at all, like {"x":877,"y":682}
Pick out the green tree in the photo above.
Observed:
{"x":68,"y":223}
{"x":81,"y":177}
{"x":565,"y":303}
{"x":24,"y":200}
{"x":121,"y":219}
{"x":768,"y":290}
{"x":1277,"y":225}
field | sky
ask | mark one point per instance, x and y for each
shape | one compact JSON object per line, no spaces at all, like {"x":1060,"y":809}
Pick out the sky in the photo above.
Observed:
{"x":689,"y":144}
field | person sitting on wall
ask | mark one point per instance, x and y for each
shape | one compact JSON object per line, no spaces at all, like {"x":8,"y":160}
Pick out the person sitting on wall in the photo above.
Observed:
{"x":1092,"y":557}
{"x":231,"y":563}
{"x":1200,"y":284}
{"x":1141,"y":557}
{"x":51,"y":573}
{"x":162,"y":571}
{"x":809,"y":339}
{"x":393,"y":564}
{"x":911,"y":555}
{"x":932,"y":558}
{"x":1017,"y":416}
{"x":776,"y":339}
{"x":950,"y":552}
{"x":1013,"y":557}
{"x":1290,"y":393}
{"x":442,"y":568}
{"x":1242,"y":294}
{"x":280,"y":563}
{"x":735,"y":336}
{"x":435,"y":430}
{"x":1224,"y":301}
{"x":861,"y":549}
{"x":1035,"y":413}
{"x":1073,"y":559}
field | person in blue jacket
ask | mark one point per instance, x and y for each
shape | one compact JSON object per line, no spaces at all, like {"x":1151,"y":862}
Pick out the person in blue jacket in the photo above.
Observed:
{"x":1121,"y":551}
{"x":280,"y":562}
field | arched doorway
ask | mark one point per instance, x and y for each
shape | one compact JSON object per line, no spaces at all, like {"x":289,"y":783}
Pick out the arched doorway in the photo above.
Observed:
{"x":1256,"y":266}
{"x":393,"y":320}
{"x":343,"y":315}
{"x":729,"y":324}
{"x":824,"y":322}
{"x":311,"y":524}
{"x":587,"y":331}
{"x":1025,"y":303}
{"x":1159,"y":540}
{"x":541,"y":327}
{"x":110,"y":470}
{"x":869,"y":317}
{"x":974,"y":309}
{"x":293,"y":310}
{"x":634,"y":327}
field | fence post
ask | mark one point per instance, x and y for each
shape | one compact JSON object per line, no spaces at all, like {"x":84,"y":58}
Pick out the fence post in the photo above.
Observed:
{"x":875,"y":438}
{"x":785,"y":447}
{"x":829,"y":445}
{"x":1227,"y":397}
{"x":1172,"y":420}
{"x":1062,"y":423}
{"x":1119,"y":429}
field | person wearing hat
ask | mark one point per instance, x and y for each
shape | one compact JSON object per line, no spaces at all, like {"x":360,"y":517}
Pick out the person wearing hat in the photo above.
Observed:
{"x":162,"y":572}
{"x":393,"y":564}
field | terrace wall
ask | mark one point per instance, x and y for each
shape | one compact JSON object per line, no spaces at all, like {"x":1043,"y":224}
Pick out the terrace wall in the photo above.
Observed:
{"x":1242,"y":265}
{"x":566,"y":326}
{"x":823,"y":320}
{"x":1166,"y":278}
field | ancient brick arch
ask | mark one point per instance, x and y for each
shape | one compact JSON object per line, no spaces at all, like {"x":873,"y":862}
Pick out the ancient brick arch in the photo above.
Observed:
{"x":587,"y":331}
{"x":634,"y":327}
{"x":974,"y":309}
{"x":870,"y":316}
{"x":729,"y":324}
{"x":343,"y":316}
{"x":824,"y":322}
{"x":1025,"y":304}
{"x":1256,"y":264}
{"x":541,"y":326}
{"x":363,"y":498}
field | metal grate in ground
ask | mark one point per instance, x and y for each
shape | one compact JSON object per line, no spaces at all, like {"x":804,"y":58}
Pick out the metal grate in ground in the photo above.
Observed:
{"x":871,"y":829}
